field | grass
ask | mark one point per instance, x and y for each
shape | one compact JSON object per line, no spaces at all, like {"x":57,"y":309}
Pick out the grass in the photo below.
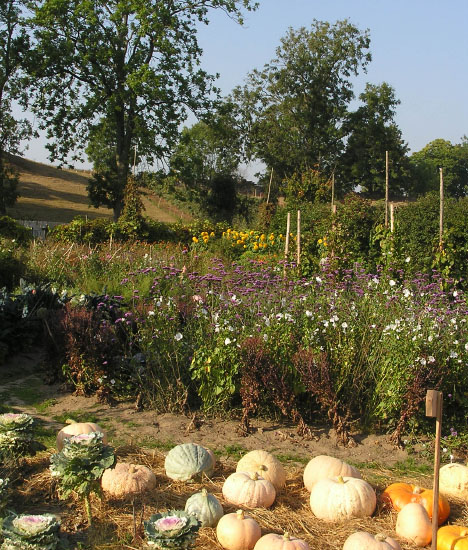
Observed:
{"x":77,"y":416}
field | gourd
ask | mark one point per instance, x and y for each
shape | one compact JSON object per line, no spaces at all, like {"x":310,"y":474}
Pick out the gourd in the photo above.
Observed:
{"x":188,"y":461}
{"x":400,"y":494}
{"x":249,"y":490}
{"x":452,"y":537}
{"x":127,"y":480}
{"x":413,"y":524}
{"x":453,"y":479}
{"x":340,"y":498}
{"x":206,"y":507}
{"x":323,"y":467}
{"x":366,"y":541}
{"x":77,"y":428}
{"x":266,"y":464}
{"x":238,"y":531}
{"x":272,"y":541}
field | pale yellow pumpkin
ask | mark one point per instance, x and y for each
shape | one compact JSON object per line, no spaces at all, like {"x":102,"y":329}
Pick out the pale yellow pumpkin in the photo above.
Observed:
{"x":452,"y":537}
{"x":340,"y":498}
{"x":453,"y":479}
{"x":366,"y":541}
{"x":413,"y":524}
{"x":77,"y":428}
{"x":238,"y":531}
{"x":272,"y":541}
{"x":127,"y":480}
{"x":266,"y":464}
{"x":323,"y":467}
{"x":249,"y":490}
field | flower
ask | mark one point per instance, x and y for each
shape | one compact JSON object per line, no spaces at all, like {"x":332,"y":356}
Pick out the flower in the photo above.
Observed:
{"x":178,"y":337}
{"x":170,"y":523}
{"x":227,"y":341}
{"x":391,"y":282}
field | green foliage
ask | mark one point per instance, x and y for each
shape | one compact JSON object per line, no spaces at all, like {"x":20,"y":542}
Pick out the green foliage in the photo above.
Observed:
{"x":16,"y":435}
{"x":30,"y":532}
{"x":174,"y":529}
{"x":11,"y":229}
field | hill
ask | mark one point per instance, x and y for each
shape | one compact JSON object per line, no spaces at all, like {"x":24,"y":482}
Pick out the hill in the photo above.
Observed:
{"x":55,"y":194}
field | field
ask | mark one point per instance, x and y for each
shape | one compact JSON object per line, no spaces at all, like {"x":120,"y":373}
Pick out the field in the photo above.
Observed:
{"x":58,"y":195}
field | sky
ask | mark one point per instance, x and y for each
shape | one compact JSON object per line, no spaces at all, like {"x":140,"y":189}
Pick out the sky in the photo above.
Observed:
{"x":419,"y":47}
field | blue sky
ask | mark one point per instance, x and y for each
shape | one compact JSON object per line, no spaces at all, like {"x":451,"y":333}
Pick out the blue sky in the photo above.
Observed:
{"x":420,"y":47}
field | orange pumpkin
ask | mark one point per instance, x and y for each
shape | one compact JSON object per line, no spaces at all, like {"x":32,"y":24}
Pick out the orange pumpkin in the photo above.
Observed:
{"x":452,"y":537}
{"x":400,"y":494}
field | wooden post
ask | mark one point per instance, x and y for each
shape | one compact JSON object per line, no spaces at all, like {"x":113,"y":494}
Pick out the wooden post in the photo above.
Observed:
{"x":269,"y":186}
{"x":286,"y":246}
{"x":333,"y":193}
{"x":441,"y":215}
{"x":392,"y":217}
{"x":298,"y":239}
{"x":386,"y":188}
{"x":434,"y":409}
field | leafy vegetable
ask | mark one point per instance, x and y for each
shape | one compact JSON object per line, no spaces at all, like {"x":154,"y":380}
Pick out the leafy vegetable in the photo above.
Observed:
{"x":175,"y":529}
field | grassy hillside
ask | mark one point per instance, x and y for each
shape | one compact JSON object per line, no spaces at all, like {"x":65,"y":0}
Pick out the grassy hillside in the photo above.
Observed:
{"x":58,"y":195}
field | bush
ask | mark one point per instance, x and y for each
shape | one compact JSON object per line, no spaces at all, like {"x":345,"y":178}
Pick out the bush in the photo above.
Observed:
{"x":11,"y":229}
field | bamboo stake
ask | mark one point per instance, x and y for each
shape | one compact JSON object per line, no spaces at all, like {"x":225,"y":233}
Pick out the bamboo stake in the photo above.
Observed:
{"x":286,"y":246}
{"x":392,"y":217}
{"x":434,"y":409}
{"x":441,"y":215}
{"x":333,"y":193}
{"x":298,"y":239}
{"x":386,"y":188}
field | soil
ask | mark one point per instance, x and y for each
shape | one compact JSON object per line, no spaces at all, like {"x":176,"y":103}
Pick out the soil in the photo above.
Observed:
{"x":23,"y":388}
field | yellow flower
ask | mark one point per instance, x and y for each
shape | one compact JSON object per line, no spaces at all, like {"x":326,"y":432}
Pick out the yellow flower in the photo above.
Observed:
{"x":212,"y":234}
{"x":194,"y":239}
{"x":320,"y":241}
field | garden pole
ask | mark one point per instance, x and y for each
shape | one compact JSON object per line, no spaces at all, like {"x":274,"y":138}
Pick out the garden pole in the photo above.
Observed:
{"x":286,"y":246}
{"x":441,"y":215}
{"x":269,"y":186}
{"x":392,"y":217}
{"x":386,"y":188}
{"x":298,"y":238}
{"x":434,"y":409}
{"x":333,"y":192}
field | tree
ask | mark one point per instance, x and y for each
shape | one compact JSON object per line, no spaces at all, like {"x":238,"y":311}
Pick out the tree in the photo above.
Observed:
{"x":130,"y":66}
{"x":14,"y":45}
{"x":440,"y":153}
{"x":294,"y":108}
{"x":371,"y":131}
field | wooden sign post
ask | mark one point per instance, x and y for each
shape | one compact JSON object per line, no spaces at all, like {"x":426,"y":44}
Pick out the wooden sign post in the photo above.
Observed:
{"x":434,"y":410}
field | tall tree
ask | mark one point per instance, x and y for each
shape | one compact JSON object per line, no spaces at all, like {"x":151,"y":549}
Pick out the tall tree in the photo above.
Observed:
{"x":14,"y":44}
{"x":129,"y":65}
{"x":371,"y":130}
{"x":441,"y":153}
{"x":294,"y":108}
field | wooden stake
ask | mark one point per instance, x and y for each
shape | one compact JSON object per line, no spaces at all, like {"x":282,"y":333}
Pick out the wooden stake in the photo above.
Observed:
{"x":434,"y":409}
{"x":386,"y":188}
{"x":286,"y":246}
{"x":441,"y":215}
{"x":333,"y":193}
{"x":298,"y":239}
{"x":269,"y":186}
{"x":392,"y":217}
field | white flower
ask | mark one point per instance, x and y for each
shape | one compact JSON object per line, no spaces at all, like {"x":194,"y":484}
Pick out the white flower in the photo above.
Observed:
{"x":265,"y":337}
{"x":455,"y":293}
{"x":392,"y":282}
{"x":344,"y":325}
{"x":112,"y":381}
{"x":407,"y":259}
{"x":150,"y":313}
{"x":178,"y":337}
{"x":318,"y":279}
{"x":453,"y":354}
{"x":431,"y":359}
{"x":309,"y":314}
{"x":227,"y":341}
{"x":423,"y":361}
{"x":406,"y":293}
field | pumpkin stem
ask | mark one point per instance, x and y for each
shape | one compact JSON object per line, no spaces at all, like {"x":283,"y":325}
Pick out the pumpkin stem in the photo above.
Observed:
{"x":340,"y":479}
{"x":286,"y":536}
{"x":70,"y":421}
{"x":380,"y":537}
{"x":262,"y":468}
{"x":417,"y":490}
{"x":204,"y":492}
{"x":254,"y":476}
{"x":240,"y":514}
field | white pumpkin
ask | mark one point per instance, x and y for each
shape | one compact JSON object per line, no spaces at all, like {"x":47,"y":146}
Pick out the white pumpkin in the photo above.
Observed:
{"x":340,"y":498}
{"x":413,"y":524}
{"x":249,"y":490}
{"x":205,"y":507}
{"x":453,"y":479}
{"x":127,"y":480}
{"x":188,"y":461}
{"x":366,"y":541}
{"x":266,"y":464}
{"x":323,"y":467}
{"x":78,"y":428}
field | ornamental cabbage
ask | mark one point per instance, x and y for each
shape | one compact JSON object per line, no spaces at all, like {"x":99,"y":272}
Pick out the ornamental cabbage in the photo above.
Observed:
{"x":175,"y":529}
{"x":30,"y":532}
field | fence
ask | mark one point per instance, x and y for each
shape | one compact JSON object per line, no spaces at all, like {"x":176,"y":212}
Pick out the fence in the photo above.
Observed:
{"x":39,"y":228}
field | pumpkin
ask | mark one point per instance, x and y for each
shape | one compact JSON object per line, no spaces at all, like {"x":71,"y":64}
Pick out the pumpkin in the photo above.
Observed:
{"x":339,"y":498}
{"x":271,"y":541}
{"x":205,"y":507}
{"x":266,"y":464}
{"x":249,"y":490}
{"x":452,"y":537}
{"x":365,"y":541}
{"x":238,"y":531}
{"x":323,"y":466}
{"x":188,"y":461}
{"x":453,"y":479}
{"x":127,"y":480}
{"x":77,"y":428}
{"x":400,"y":494}
{"x":413,"y":524}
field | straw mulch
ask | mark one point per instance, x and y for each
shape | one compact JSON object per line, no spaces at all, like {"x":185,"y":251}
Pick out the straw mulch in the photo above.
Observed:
{"x":35,"y":492}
